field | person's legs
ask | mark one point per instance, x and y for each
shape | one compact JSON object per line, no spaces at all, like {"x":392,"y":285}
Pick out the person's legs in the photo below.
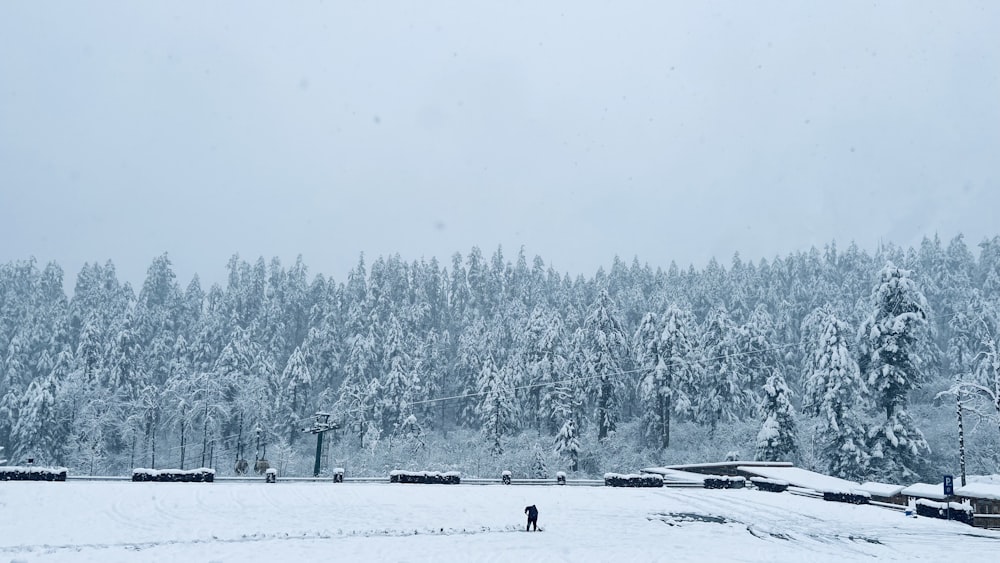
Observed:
{"x":528,"y":528}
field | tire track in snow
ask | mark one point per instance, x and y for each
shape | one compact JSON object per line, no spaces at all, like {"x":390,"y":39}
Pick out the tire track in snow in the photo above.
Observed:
{"x":776,"y":525}
{"x":261,"y":537}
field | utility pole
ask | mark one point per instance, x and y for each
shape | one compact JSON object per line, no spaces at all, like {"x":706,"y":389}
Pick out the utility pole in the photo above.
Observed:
{"x":321,"y":424}
{"x":961,"y":433}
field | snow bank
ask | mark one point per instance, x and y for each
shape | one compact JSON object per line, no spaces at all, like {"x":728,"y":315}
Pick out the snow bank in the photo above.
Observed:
{"x":32,"y":473}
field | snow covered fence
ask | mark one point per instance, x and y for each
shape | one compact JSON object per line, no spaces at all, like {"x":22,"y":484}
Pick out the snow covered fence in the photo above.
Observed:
{"x":725,"y":482}
{"x":632,"y":480}
{"x":769,"y":485}
{"x":959,"y":511}
{"x":850,"y":497}
{"x":201,"y":475}
{"x":31,"y":473}
{"x":425,"y":477}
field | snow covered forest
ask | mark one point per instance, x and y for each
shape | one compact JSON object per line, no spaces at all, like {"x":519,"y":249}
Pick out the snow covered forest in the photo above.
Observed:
{"x":860,"y":365}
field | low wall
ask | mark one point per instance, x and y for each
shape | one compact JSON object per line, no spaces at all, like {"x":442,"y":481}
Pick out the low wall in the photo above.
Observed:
{"x":632,"y":480}
{"x":31,"y":473}
{"x":202,"y":475}
{"x":425,"y":477}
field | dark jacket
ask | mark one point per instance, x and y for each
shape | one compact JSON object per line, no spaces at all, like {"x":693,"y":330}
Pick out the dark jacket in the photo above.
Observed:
{"x":532,"y":512}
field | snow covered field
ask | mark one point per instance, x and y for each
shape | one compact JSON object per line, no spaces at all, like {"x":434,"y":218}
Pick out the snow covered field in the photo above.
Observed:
{"x":191,"y":522}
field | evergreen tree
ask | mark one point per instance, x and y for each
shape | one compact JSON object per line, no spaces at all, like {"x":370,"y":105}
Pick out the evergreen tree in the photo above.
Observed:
{"x":890,"y":362}
{"x":400,"y":383}
{"x":431,"y":365}
{"x":777,"y":440}
{"x":352,"y":407}
{"x":496,"y":408}
{"x":296,"y":383}
{"x":723,"y":395}
{"x":666,"y":358}
{"x":35,"y":431}
{"x":834,"y":388}
{"x":757,"y":343}
{"x":605,"y":350}
{"x":539,"y":469}
{"x":178,"y":398}
{"x":568,"y":444}
{"x":544,"y":364}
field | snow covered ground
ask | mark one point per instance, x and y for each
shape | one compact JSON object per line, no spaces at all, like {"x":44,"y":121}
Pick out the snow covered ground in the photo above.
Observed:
{"x":241,"y":522}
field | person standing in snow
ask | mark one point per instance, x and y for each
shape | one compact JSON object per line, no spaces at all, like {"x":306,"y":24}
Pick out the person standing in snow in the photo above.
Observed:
{"x":532,"y":513}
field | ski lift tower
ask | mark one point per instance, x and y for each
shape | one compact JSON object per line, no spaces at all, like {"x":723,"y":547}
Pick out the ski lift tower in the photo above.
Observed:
{"x":321,"y":424}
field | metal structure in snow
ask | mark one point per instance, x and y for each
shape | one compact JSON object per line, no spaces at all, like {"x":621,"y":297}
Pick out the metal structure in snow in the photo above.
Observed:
{"x":321,"y":424}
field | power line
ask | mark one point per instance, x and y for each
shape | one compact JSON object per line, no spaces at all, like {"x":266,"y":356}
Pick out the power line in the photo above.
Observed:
{"x":617,"y":374}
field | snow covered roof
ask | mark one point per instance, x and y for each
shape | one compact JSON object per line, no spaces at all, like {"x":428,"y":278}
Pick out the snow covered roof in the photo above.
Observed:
{"x":881,"y":489}
{"x":732,"y":464}
{"x":979,"y":490}
{"x":994,"y":479}
{"x":769,"y":481}
{"x":676,"y":476}
{"x":925,"y":490}
{"x":803,"y":478}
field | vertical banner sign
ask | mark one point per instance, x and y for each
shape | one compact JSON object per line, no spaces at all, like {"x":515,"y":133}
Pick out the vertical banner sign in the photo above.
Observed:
{"x":949,"y":485}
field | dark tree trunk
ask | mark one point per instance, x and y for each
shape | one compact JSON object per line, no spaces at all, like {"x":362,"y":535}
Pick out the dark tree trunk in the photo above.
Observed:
{"x":183,"y":428}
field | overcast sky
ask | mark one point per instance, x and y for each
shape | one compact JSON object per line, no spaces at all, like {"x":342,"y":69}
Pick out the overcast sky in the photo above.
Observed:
{"x":580,"y":130}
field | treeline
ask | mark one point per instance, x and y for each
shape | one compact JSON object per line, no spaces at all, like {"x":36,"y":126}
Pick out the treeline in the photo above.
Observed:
{"x":105,"y":378}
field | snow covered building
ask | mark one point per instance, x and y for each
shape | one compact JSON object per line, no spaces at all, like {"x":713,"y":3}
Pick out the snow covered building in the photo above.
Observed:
{"x":931,"y":491}
{"x":885,"y":492}
{"x":725,"y":468}
{"x":985,"y":501}
{"x":801,"y":478}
